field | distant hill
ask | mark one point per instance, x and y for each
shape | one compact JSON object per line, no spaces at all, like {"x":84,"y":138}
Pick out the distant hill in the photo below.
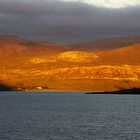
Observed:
{"x":30,"y":65}
{"x":125,"y":55}
{"x":106,"y":44}
{"x":14,"y":46}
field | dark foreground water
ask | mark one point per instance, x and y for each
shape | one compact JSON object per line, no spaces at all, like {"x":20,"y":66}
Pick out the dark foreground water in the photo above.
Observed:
{"x":69,"y":116}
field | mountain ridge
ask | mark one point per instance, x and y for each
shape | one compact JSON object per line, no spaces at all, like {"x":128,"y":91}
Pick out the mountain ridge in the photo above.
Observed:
{"x":13,"y":45}
{"x":106,"y":44}
{"x":29,"y":65}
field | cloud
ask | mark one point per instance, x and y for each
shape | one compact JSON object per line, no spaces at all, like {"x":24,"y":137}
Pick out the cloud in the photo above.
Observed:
{"x":66,"y":22}
{"x":109,"y":3}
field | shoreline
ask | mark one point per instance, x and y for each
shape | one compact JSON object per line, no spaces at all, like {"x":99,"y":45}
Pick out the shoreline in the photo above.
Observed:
{"x":133,"y":91}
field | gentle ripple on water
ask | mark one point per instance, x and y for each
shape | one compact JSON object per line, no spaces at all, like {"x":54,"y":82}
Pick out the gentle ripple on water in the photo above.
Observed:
{"x":69,"y":116}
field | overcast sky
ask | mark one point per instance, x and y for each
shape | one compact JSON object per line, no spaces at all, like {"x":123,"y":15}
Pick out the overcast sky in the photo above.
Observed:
{"x":69,"y":21}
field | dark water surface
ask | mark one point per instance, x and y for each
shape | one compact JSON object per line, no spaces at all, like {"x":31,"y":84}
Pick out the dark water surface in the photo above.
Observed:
{"x":69,"y":116}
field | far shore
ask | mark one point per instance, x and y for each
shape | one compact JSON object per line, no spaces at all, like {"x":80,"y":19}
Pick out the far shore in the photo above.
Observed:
{"x":133,"y":91}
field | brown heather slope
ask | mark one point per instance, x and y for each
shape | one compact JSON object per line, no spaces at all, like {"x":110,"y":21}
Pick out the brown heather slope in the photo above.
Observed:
{"x":126,"y":55}
{"x":11,"y":46}
{"x":34,"y":64}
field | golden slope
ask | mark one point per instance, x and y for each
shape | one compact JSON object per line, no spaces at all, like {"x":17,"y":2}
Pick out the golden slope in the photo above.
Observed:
{"x":62,"y":69}
{"x":125,"y":55}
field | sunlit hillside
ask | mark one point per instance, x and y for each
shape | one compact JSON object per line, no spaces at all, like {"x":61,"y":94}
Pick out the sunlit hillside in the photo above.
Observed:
{"x":28,"y":65}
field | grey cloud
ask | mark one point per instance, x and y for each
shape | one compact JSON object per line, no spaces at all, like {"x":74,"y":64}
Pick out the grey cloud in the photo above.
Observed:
{"x":65,"y":22}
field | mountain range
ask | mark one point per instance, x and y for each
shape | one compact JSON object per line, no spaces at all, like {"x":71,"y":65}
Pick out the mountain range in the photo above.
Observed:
{"x":103,"y":65}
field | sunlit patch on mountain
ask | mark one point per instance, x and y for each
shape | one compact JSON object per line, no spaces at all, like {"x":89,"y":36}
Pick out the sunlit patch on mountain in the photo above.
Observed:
{"x":77,"y":56}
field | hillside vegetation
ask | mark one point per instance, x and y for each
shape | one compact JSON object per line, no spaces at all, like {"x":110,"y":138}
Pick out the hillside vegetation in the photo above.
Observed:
{"x":38,"y":65}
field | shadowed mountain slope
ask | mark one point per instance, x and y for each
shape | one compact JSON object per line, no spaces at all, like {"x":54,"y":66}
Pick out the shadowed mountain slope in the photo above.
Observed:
{"x":106,"y":44}
{"x":14,"y":46}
